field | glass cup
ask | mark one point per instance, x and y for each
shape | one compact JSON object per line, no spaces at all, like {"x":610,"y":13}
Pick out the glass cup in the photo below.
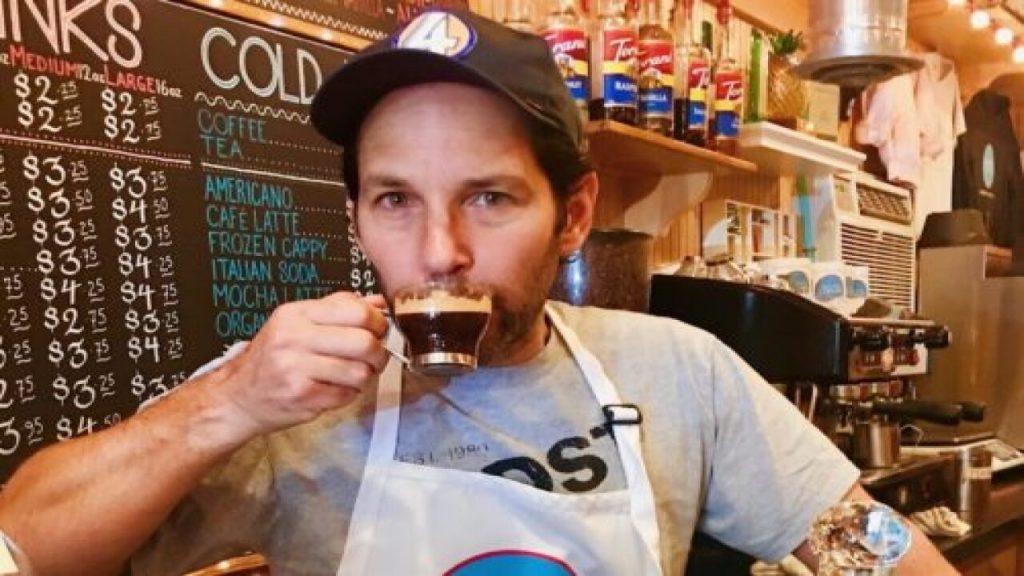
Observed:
{"x":443,"y":323}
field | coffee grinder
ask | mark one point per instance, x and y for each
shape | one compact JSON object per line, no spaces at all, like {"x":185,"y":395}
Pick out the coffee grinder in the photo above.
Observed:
{"x":853,"y":377}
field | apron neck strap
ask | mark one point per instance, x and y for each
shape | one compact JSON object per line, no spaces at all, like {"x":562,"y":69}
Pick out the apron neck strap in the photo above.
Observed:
{"x":389,"y":396}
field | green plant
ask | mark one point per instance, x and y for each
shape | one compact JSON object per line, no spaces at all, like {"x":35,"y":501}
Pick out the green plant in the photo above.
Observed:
{"x":786,"y":43}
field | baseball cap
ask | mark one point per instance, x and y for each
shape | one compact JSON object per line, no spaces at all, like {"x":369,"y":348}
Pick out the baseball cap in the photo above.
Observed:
{"x":450,"y":45}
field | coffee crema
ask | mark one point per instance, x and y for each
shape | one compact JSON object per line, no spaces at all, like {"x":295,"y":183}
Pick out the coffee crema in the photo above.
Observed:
{"x":442,"y":301}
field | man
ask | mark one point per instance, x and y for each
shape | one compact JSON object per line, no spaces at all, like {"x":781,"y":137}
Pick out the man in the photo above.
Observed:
{"x":463,"y":153}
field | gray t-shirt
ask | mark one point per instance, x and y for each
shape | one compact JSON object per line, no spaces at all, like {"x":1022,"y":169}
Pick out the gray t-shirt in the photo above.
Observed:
{"x":725,"y":452}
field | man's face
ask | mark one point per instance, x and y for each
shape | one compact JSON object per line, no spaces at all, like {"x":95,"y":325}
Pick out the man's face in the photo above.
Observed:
{"x":450,"y":188}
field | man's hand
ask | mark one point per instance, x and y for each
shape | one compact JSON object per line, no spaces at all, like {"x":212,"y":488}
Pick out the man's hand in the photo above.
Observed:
{"x":310,"y":357}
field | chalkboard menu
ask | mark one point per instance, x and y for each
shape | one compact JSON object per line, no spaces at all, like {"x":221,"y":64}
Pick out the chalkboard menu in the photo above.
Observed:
{"x":161,"y":191}
{"x":365,"y":19}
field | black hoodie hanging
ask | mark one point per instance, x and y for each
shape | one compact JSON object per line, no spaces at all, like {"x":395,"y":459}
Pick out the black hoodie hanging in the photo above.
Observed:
{"x":987,"y":171}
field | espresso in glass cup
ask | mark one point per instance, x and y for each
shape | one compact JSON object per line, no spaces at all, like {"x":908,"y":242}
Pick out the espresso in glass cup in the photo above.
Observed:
{"x":443,"y":323}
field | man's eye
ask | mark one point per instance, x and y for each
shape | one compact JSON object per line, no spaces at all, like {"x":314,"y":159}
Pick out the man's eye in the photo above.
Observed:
{"x":490,"y":198}
{"x":392,"y":200}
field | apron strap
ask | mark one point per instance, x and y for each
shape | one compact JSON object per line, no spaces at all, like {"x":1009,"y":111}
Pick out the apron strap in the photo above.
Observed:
{"x":389,"y":395}
{"x":383,"y":441}
{"x":627,"y":437}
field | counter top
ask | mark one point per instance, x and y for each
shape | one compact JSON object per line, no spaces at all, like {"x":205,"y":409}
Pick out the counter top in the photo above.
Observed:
{"x":1003,"y":516}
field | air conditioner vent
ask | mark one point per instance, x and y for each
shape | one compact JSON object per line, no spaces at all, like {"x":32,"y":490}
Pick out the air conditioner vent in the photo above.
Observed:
{"x":890,"y":258}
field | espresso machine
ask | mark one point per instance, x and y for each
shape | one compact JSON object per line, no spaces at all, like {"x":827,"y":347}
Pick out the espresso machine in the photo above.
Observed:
{"x":854,"y":377}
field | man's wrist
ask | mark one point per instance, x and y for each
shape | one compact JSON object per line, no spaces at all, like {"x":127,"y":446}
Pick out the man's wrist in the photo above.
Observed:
{"x":214,"y":425}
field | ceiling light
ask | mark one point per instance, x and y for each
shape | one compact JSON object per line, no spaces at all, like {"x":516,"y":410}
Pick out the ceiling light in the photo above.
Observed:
{"x":956,"y":3}
{"x":1004,"y":36}
{"x":1018,"y":54}
{"x":980,"y":19}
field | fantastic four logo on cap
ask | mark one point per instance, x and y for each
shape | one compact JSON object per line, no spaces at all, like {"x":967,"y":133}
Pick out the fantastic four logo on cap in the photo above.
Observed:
{"x":439,"y":32}
{"x":511,"y":563}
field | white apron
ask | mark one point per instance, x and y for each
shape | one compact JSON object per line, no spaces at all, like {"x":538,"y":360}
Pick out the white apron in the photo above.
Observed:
{"x":411,"y":519}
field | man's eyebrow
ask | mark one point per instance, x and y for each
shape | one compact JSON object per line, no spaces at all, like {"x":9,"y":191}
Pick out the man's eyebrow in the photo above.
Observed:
{"x":385,"y":181}
{"x":476,"y":183}
{"x":490,"y":180}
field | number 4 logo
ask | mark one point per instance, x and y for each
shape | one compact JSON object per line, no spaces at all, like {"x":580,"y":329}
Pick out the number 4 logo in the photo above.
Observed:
{"x":438,"y":32}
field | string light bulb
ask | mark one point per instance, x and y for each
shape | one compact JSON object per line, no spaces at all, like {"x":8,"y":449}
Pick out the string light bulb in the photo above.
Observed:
{"x":956,"y":3}
{"x":1004,"y":35}
{"x":1018,"y":54}
{"x":980,"y":19}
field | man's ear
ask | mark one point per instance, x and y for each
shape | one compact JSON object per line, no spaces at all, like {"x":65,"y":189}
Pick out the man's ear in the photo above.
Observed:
{"x":579,"y":214}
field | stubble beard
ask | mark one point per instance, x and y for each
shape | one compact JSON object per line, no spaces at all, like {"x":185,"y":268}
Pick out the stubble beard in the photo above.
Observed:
{"x":512,"y":320}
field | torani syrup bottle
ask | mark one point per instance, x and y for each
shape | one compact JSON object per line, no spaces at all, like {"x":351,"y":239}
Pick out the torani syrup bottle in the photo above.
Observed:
{"x":565,"y":31}
{"x":614,"y":64}
{"x":657,"y":69}
{"x":728,"y":87}
{"x":693,"y":77}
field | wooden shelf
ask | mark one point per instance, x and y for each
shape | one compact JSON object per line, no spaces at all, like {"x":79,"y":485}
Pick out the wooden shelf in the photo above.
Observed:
{"x":625,"y":148}
{"x":780,"y":151}
{"x":649,"y":181}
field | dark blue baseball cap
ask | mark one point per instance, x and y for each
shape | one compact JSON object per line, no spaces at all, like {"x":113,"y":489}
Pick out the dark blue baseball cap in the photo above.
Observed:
{"x":451,"y":45}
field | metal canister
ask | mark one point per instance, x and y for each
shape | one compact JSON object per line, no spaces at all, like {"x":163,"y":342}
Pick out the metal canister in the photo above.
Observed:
{"x":974,"y":474}
{"x":876,"y":443}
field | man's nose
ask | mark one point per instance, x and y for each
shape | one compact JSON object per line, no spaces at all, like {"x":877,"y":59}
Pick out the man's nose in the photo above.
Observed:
{"x":446,"y":251}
